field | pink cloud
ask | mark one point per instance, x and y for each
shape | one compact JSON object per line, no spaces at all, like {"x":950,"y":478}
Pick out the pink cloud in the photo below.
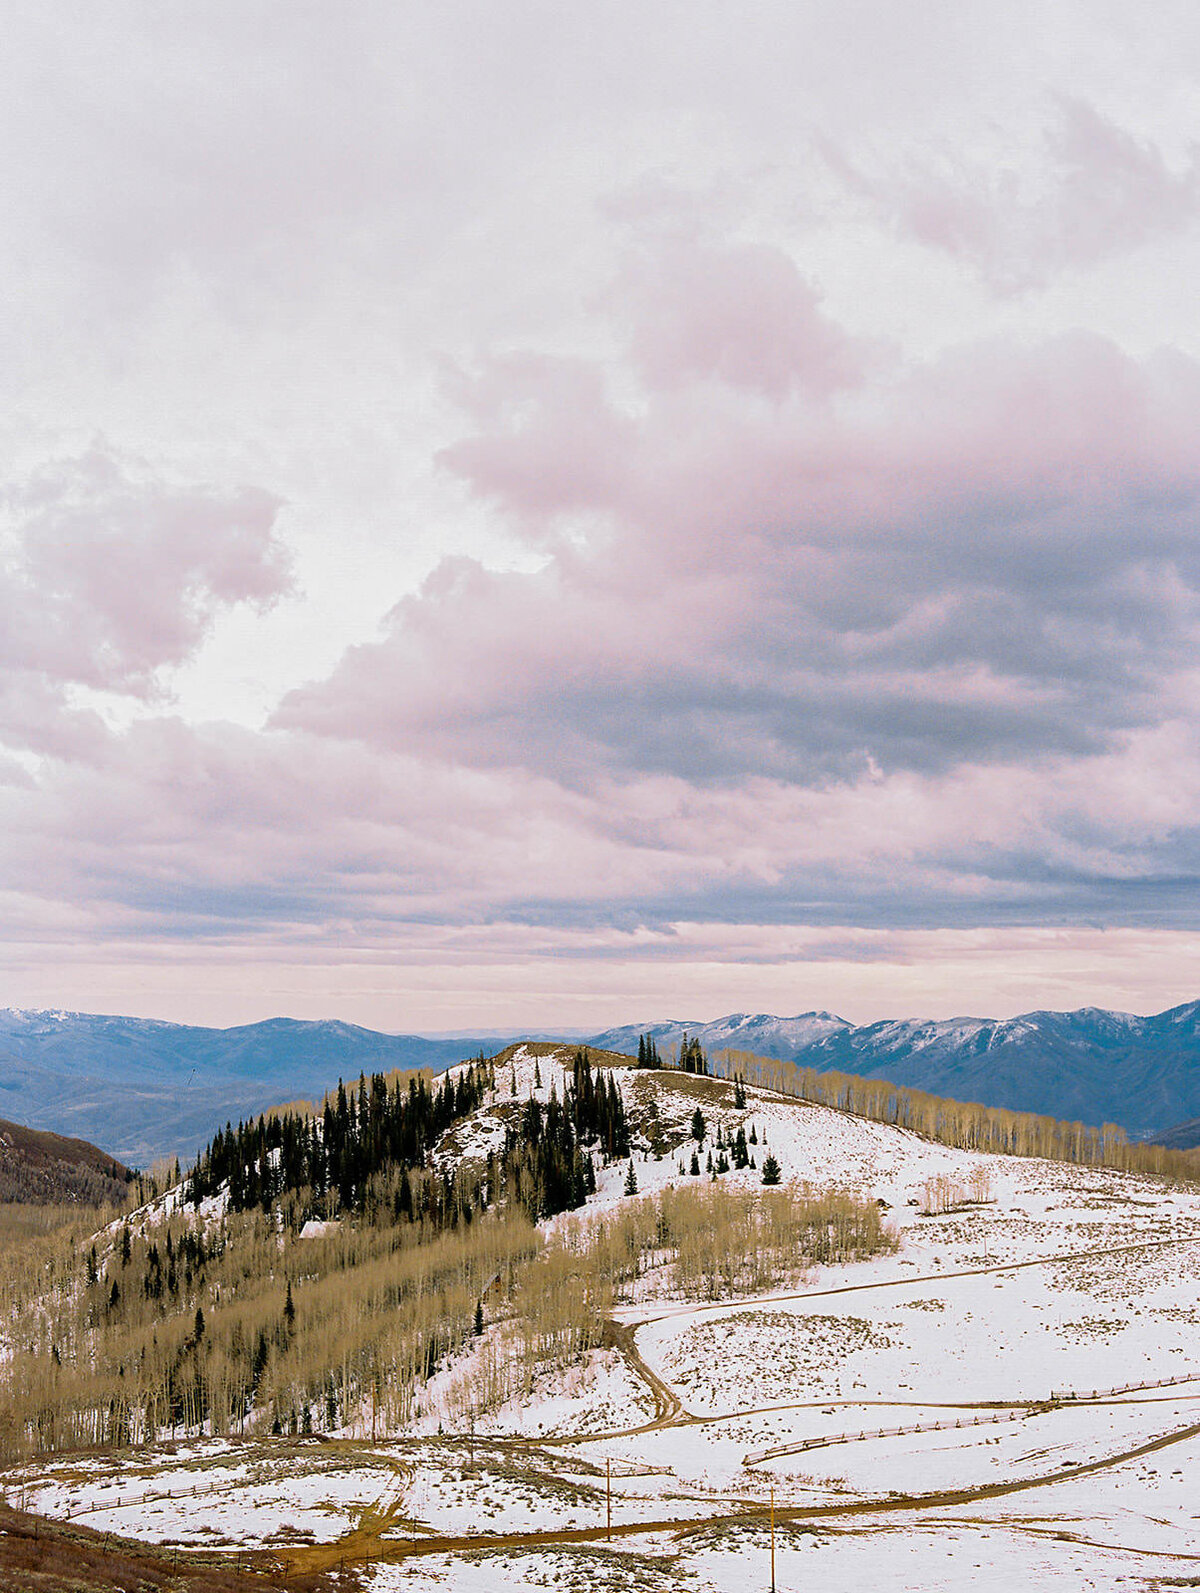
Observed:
{"x":115,"y":575}
{"x":1091,"y":191}
{"x":740,"y":315}
{"x":989,"y":555}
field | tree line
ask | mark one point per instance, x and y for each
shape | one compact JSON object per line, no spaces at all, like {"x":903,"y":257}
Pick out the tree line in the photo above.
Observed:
{"x":691,"y":1055}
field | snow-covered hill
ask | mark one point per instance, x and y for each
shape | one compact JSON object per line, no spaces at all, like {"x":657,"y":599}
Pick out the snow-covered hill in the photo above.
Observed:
{"x":1008,"y":1400}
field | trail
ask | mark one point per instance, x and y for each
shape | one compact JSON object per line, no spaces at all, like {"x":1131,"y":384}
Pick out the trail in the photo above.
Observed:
{"x":669,"y":1410}
{"x":365,"y":1540}
{"x":921,"y":1277}
{"x":355,"y":1549}
{"x":368,"y":1541}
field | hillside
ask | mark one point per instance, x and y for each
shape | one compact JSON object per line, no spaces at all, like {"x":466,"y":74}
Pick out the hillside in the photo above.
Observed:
{"x":1184,"y":1136}
{"x":41,"y":1168}
{"x":940,"y":1367}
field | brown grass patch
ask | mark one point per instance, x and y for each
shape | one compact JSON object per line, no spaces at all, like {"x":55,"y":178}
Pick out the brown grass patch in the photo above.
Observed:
{"x":42,"y":1556}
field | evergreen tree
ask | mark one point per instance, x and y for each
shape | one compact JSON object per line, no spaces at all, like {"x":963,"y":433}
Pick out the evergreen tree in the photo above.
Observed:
{"x":479,"y":1319}
{"x":694,"y":1169}
{"x":699,"y":1127}
{"x":648,"y":1056}
{"x":631,"y":1183}
{"x":691,"y":1056}
{"x":770,"y":1172}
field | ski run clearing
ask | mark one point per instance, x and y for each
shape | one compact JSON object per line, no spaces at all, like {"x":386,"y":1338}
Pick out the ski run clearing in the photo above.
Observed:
{"x":1010,"y":1400}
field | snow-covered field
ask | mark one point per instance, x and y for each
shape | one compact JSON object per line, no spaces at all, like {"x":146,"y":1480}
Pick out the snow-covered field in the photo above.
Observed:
{"x":1011,"y":1400}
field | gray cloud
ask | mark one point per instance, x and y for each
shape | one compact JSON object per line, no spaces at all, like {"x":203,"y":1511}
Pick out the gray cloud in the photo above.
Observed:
{"x":995,"y":559}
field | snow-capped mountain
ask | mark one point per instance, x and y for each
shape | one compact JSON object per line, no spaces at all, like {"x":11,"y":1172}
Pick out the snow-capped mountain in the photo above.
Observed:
{"x":142,"y":1088}
{"x":761,"y":1033}
{"x":1090,"y":1065}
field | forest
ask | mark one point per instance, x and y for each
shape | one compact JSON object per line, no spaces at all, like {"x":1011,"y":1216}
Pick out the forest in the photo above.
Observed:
{"x":229,"y":1317}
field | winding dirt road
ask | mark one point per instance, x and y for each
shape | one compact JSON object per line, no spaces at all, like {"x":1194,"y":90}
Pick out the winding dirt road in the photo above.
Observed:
{"x":370,"y":1539}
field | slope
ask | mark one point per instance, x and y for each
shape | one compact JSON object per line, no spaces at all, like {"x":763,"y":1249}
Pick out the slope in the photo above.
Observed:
{"x":41,"y":1168}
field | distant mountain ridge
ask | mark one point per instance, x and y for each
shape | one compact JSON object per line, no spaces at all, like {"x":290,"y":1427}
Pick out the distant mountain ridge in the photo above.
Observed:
{"x":142,"y":1087}
{"x":1090,"y":1065}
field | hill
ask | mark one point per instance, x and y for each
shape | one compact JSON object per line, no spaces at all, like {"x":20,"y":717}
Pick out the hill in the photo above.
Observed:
{"x":914,"y":1358}
{"x":48,"y":1169}
{"x":1184,"y":1136}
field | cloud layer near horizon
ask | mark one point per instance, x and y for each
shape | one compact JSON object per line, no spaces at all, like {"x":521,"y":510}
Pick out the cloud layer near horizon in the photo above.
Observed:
{"x":652,"y":527}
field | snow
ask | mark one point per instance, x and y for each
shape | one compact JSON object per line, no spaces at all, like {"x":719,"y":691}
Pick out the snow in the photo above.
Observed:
{"x":1039,"y":1354}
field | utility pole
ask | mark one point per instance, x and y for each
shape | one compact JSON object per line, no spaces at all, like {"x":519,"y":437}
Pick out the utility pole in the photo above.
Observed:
{"x":772,"y":1539}
{"x":608,"y":1499}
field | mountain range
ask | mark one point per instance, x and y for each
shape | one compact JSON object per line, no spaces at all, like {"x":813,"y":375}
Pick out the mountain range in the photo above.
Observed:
{"x":1091,"y":1065}
{"x":142,"y":1088}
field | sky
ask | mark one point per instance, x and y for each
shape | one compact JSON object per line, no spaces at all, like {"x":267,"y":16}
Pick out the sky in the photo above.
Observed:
{"x":543,"y":514}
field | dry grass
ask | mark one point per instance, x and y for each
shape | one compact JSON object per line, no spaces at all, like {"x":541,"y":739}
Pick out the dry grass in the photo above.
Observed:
{"x":40,"y":1556}
{"x":22,"y":1220}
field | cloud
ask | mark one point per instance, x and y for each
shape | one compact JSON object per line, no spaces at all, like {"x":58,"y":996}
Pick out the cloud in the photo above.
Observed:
{"x":741,"y":315}
{"x":112,"y":576}
{"x":984,"y":557}
{"x":1088,"y":191}
{"x":767,"y":564}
